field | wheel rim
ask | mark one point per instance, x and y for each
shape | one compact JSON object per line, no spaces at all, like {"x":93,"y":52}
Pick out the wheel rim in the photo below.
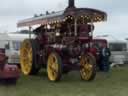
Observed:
{"x":52,"y":68}
{"x":86,"y":67}
{"x":26,"y":57}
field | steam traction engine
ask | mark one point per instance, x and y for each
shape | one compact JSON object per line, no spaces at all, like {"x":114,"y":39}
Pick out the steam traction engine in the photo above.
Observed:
{"x":59,"y":43}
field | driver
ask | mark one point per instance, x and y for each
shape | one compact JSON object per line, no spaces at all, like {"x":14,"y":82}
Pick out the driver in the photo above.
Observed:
{"x":85,"y":30}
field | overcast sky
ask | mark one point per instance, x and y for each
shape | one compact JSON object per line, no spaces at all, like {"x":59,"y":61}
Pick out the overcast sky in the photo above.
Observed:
{"x":11,"y":11}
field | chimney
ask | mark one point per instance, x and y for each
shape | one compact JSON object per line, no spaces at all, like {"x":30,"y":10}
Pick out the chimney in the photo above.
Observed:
{"x":71,"y":4}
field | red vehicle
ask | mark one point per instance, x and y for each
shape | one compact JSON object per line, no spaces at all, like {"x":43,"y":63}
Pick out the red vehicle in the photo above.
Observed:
{"x":96,"y":44}
{"x":59,"y":42}
{"x":8,"y":73}
{"x":96,"y":48}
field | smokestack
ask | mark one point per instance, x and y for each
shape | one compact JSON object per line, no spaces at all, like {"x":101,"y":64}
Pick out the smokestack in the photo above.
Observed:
{"x":71,"y":4}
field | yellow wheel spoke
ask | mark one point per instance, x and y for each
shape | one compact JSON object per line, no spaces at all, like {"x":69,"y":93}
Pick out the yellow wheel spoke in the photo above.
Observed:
{"x":52,"y":68}
{"x":26,"y":56}
{"x":86,"y":67}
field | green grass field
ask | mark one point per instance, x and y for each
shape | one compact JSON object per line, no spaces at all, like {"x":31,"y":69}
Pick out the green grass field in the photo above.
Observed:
{"x":113,"y":83}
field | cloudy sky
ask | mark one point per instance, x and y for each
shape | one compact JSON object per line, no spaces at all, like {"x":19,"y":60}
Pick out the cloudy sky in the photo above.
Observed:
{"x":11,"y":11}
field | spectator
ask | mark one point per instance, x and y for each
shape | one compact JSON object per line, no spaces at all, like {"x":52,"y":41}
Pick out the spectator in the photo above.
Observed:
{"x":104,"y":58}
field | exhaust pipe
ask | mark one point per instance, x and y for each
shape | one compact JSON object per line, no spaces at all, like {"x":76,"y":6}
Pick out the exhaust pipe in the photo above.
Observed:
{"x":71,"y":4}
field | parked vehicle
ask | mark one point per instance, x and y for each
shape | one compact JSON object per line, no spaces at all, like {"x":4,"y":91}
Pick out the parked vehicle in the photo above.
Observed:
{"x":11,"y":43}
{"x":102,"y":54}
{"x":119,"y":50}
{"x":8,"y":73}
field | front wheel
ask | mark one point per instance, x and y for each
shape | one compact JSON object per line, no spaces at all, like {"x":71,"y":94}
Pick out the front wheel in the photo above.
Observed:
{"x":87,"y":67}
{"x":54,"y":67}
{"x":29,"y":57}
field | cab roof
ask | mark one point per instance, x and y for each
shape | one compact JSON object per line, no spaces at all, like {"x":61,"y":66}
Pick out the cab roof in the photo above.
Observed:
{"x":56,"y":17}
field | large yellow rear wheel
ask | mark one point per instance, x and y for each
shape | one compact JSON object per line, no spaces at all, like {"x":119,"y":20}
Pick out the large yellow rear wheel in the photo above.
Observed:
{"x":54,"y":67}
{"x":28,"y":57}
{"x":87,"y":67}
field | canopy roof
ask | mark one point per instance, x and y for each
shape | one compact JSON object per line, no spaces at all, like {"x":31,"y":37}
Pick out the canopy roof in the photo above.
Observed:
{"x":55,"y":17}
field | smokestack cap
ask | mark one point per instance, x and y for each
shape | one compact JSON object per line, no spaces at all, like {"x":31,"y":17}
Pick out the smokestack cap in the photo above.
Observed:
{"x":71,"y":4}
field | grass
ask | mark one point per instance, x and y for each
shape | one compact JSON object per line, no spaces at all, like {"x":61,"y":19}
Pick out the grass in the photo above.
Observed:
{"x":113,"y":83}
